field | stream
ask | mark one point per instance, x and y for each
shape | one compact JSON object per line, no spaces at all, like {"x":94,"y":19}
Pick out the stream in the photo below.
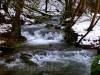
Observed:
{"x":50,"y":55}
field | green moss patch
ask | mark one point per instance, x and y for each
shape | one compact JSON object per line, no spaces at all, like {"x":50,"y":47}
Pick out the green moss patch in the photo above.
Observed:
{"x":95,"y":67}
{"x":49,"y":26}
{"x":27,"y":60}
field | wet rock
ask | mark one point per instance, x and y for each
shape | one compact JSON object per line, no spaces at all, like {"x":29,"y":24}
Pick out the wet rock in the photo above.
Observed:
{"x":57,"y":27}
{"x":37,"y":22}
{"x":49,"y":26}
{"x":5,"y":49}
{"x":9,"y":59}
{"x":26,"y":59}
{"x":21,"y":39}
{"x":98,"y":51}
{"x":22,"y":22}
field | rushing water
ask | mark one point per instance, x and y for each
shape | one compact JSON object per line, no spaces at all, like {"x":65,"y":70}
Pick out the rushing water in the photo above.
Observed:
{"x":75,"y":62}
{"x":41,"y":35}
{"x":46,"y":49}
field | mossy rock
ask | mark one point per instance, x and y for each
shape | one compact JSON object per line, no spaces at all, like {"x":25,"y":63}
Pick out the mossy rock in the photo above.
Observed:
{"x":49,"y":26}
{"x":95,"y":67}
{"x":27,"y":60}
{"x":21,"y":39}
{"x":9,"y":60}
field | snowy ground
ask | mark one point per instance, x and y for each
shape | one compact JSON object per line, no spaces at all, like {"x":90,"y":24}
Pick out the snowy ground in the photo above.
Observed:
{"x":81,"y":28}
{"x":5,"y":28}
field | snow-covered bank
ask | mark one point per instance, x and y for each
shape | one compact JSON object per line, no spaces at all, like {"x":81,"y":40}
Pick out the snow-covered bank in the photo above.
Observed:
{"x":81,"y":27}
{"x":5,"y":28}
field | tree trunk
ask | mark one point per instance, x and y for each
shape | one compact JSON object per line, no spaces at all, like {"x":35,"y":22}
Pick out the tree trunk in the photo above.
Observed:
{"x":74,"y":14}
{"x":70,"y":36}
{"x":16,"y":25}
{"x":46,"y":5}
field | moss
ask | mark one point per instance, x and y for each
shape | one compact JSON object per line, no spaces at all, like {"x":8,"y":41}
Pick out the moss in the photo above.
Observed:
{"x":49,"y":26}
{"x":9,"y":60}
{"x":25,"y":58}
{"x":95,"y":67}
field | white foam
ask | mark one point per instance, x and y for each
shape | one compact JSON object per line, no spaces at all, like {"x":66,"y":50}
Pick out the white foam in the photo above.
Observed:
{"x":63,"y":57}
{"x":38,"y":38}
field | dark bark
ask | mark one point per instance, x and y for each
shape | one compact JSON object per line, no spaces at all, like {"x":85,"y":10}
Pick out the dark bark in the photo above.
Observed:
{"x":70,"y":36}
{"x":0,"y":4}
{"x":70,"y":12}
{"x":16,"y":24}
{"x":98,"y":51}
{"x":46,"y":5}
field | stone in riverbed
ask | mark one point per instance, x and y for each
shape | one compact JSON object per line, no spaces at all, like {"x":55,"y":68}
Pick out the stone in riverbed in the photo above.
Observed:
{"x":26,"y":59}
{"x":5,"y":49}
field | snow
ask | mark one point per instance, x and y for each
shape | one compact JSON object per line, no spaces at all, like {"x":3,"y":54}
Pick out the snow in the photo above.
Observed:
{"x":7,"y":18}
{"x":5,"y":28}
{"x":53,"y":5}
{"x":2,"y":41}
{"x":81,"y":27}
{"x":2,"y":12}
{"x":11,"y":11}
{"x":27,"y":19}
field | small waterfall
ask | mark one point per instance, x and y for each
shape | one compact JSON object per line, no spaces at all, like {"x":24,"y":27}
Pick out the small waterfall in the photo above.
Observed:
{"x":37,"y":36}
{"x":82,"y":56}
